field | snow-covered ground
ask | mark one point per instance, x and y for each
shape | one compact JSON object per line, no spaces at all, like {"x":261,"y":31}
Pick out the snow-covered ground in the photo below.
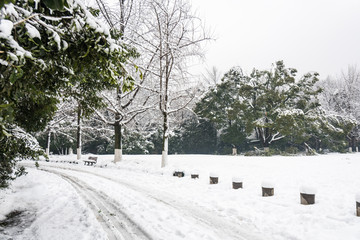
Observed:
{"x":136,"y":199}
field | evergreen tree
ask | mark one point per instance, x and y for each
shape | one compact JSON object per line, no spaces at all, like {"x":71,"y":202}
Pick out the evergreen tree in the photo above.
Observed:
{"x":46,"y":53}
{"x":194,"y":137}
{"x":217,"y":107}
{"x":265,"y":106}
{"x":274,"y":105}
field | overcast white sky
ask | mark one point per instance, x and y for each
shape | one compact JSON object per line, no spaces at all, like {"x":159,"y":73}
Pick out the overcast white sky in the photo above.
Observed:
{"x":309,"y":35}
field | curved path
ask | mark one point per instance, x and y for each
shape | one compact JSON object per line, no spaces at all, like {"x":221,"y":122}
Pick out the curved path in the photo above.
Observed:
{"x":121,"y":223}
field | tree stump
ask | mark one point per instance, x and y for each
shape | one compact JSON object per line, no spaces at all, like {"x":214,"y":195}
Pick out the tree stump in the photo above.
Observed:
{"x":267,"y":192}
{"x":307,"y":199}
{"x":194,"y":176}
{"x":307,"y":195}
{"x":237,"y":183}
{"x":357,"y":198}
{"x":195,"y":173}
{"x":214,"y":178}
{"x":178,"y":174}
{"x":267,"y":188}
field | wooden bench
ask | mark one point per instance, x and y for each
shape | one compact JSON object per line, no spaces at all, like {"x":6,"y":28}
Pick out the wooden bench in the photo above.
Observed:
{"x":91,"y":161}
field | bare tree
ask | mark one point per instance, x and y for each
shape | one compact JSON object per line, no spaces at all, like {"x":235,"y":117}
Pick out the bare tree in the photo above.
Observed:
{"x":61,"y":124}
{"x":124,"y":107}
{"x":167,"y":35}
{"x":173,"y":35}
{"x":212,"y":76}
{"x":342,"y":96}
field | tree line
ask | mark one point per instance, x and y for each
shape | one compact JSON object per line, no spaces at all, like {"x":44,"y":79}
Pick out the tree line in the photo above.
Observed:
{"x":106,"y":79}
{"x":266,"y":109}
{"x":112,"y":63}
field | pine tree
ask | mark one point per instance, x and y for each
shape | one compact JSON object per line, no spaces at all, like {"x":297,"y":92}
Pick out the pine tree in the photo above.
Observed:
{"x":216,"y":107}
{"x":274,"y":105}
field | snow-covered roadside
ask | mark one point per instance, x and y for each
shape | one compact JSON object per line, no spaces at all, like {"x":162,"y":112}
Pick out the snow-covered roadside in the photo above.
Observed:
{"x":52,"y":210}
{"x":137,"y":181}
{"x":335,"y":176}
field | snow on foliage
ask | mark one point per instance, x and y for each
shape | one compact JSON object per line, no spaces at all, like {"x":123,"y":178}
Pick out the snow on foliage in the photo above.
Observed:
{"x":32,"y":31}
{"x":5,"y":63}
{"x":289,"y":112}
{"x":5,"y":28}
{"x":263,"y":121}
{"x":29,"y":140}
{"x":35,"y":20}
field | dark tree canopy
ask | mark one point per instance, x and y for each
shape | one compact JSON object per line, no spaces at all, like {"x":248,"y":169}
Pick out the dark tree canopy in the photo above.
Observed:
{"x":47,"y":54}
{"x":265,"y":105}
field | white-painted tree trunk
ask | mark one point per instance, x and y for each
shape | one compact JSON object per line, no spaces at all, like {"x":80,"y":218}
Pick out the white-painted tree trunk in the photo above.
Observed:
{"x":164,"y":158}
{"x":47,"y":150}
{"x":118,"y":155}
{"x":234,"y":151}
{"x":78,"y":153}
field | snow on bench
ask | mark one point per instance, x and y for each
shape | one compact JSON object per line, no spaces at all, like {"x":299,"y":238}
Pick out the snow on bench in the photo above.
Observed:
{"x":91,"y":161}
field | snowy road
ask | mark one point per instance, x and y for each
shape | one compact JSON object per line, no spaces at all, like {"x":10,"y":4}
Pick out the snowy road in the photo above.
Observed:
{"x":110,"y":198}
{"x":116,"y":224}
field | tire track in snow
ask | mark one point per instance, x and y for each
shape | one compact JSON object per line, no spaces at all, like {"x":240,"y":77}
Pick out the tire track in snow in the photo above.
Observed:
{"x":223,"y":227}
{"x":114,"y":221}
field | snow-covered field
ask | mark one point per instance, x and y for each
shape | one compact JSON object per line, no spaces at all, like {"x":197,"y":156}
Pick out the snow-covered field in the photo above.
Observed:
{"x":136,"y":199}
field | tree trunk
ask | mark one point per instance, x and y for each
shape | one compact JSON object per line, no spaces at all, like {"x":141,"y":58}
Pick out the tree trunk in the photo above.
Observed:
{"x":262,"y":134}
{"x":317,"y":144}
{"x":78,"y":135}
{"x":353,"y":142}
{"x":47,"y":150}
{"x":164,"y":159}
{"x":118,"y":142}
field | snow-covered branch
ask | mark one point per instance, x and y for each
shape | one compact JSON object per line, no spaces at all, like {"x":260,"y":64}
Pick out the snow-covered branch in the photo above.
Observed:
{"x":275,"y":138}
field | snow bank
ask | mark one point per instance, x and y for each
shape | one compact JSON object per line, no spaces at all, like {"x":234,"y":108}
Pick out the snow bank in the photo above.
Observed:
{"x":213,"y":174}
